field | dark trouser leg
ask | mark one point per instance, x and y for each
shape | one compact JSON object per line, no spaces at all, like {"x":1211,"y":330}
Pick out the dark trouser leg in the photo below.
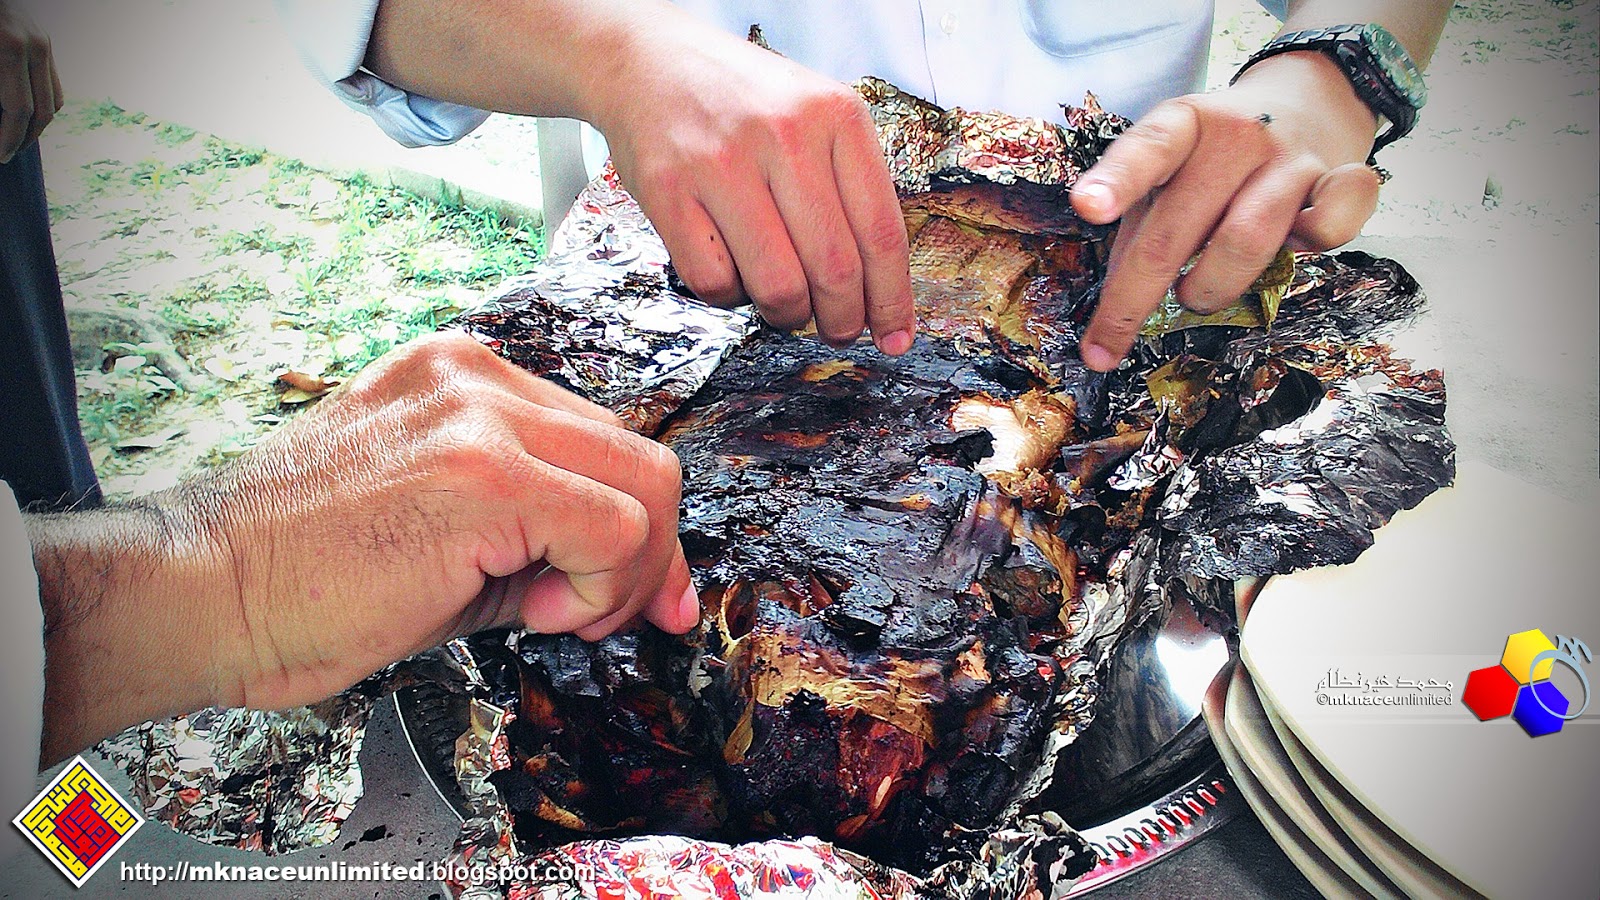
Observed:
{"x":42,"y":452}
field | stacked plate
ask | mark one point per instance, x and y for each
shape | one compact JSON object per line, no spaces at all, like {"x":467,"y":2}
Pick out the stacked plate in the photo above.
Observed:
{"x":1348,"y":724}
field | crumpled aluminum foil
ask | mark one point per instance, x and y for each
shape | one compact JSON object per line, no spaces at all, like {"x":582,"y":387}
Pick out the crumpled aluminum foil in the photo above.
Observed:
{"x":1311,"y":492}
{"x":1035,"y":849}
{"x":1152,"y":462}
{"x":607,"y":231}
{"x":626,"y":339}
{"x":1201,"y":501}
{"x":285,"y":781}
{"x":924,"y":142}
{"x":276,"y":781}
{"x":648,"y":868}
{"x":273,"y":781}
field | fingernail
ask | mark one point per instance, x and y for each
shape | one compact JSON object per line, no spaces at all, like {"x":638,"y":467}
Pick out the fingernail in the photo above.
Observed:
{"x":1095,"y":195}
{"x":689,"y":607}
{"x":895,"y":343}
{"x":1099,"y":358}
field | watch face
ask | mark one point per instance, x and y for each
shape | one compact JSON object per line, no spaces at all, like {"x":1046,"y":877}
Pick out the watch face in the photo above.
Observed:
{"x":1396,"y":63}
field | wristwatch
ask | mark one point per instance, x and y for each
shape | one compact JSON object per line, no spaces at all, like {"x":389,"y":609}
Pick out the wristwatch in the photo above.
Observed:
{"x":1380,"y":70}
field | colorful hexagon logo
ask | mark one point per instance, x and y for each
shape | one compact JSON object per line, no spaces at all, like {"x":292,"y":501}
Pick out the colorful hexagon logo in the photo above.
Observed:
{"x":1520,"y":686}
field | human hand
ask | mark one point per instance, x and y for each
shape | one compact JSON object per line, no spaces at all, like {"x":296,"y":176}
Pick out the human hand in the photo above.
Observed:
{"x":424,"y":502}
{"x":421,"y":502}
{"x":1276,"y":159}
{"x":765,"y":180}
{"x":30,"y":91}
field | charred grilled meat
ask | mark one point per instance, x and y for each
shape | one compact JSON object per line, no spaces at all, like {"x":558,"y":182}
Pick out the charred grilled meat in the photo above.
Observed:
{"x":912,"y":567}
{"x":888,"y":629}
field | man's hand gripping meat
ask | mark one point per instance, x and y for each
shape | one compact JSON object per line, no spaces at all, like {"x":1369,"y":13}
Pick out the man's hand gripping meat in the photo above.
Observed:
{"x":441,"y":492}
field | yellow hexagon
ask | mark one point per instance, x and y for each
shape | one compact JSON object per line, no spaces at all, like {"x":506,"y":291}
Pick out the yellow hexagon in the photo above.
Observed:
{"x":1521,"y":648}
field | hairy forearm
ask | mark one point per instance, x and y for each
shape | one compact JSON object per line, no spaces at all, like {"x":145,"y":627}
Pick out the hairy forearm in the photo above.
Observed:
{"x":128,"y":623}
{"x":1416,"y":23}
{"x":529,"y":57}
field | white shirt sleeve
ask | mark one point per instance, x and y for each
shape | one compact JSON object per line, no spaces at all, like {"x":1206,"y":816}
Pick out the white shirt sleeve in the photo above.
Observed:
{"x":1278,"y":8}
{"x":21,"y":670}
{"x":332,"y":36}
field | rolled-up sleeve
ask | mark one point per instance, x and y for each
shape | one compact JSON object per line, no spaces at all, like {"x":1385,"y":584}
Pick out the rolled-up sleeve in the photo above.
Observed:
{"x":332,"y":36}
{"x":21,"y":669}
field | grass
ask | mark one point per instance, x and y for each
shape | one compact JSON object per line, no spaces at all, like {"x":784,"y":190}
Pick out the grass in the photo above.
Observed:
{"x":173,"y":135}
{"x":262,"y":239}
{"x":105,"y":113}
{"x":117,"y":401}
{"x":1527,"y":30}
{"x":263,"y":264}
{"x":407,"y":231}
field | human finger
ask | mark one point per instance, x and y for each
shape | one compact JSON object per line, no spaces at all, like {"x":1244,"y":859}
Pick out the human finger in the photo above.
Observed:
{"x":696,"y":244}
{"x":624,"y":461}
{"x":1148,"y":256}
{"x":1113,"y":326}
{"x":675,"y":609}
{"x":1342,"y":201}
{"x":42,"y":79}
{"x":873,"y":210}
{"x":593,"y":538}
{"x":1140,"y":160}
{"x":16,"y":105}
{"x":676,"y":614}
{"x":498,"y":605}
{"x":808,"y":197}
{"x":768,"y":268}
{"x":1248,"y":237}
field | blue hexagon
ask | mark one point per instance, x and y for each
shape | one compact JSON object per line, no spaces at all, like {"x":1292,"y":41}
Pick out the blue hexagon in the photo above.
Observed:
{"x":1538,"y":718}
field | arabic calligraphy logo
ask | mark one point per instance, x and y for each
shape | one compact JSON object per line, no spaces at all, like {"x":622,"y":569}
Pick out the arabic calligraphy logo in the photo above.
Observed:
{"x":1338,"y":689}
{"x":1520,"y":685}
{"x":78,"y":821}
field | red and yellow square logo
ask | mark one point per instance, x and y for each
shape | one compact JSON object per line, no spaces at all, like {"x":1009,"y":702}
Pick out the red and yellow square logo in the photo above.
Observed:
{"x":78,"y":821}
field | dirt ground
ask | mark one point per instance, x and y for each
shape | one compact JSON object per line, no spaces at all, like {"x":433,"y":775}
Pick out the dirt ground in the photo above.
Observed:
{"x":239,"y":266}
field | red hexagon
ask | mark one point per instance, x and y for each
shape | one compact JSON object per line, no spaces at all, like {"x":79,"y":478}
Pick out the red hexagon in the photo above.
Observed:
{"x":1490,"y":693}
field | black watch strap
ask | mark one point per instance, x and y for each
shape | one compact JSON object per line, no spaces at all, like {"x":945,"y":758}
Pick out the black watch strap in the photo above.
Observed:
{"x":1378,"y":67}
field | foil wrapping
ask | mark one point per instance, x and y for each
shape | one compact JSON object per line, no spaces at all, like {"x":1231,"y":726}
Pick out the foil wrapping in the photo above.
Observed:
{"x":667,"y":866}
{"x":1249,"y":444}
{"x":276,"y":781}
{"x":601,"y":318}
{"x":1311,"y":491}
{"x":924,"y":142}
{"x":1313,"y":434}
{"x":1013,"y":861}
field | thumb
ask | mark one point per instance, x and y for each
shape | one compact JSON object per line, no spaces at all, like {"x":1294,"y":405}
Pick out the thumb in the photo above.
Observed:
{"x":1341,"y":201}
